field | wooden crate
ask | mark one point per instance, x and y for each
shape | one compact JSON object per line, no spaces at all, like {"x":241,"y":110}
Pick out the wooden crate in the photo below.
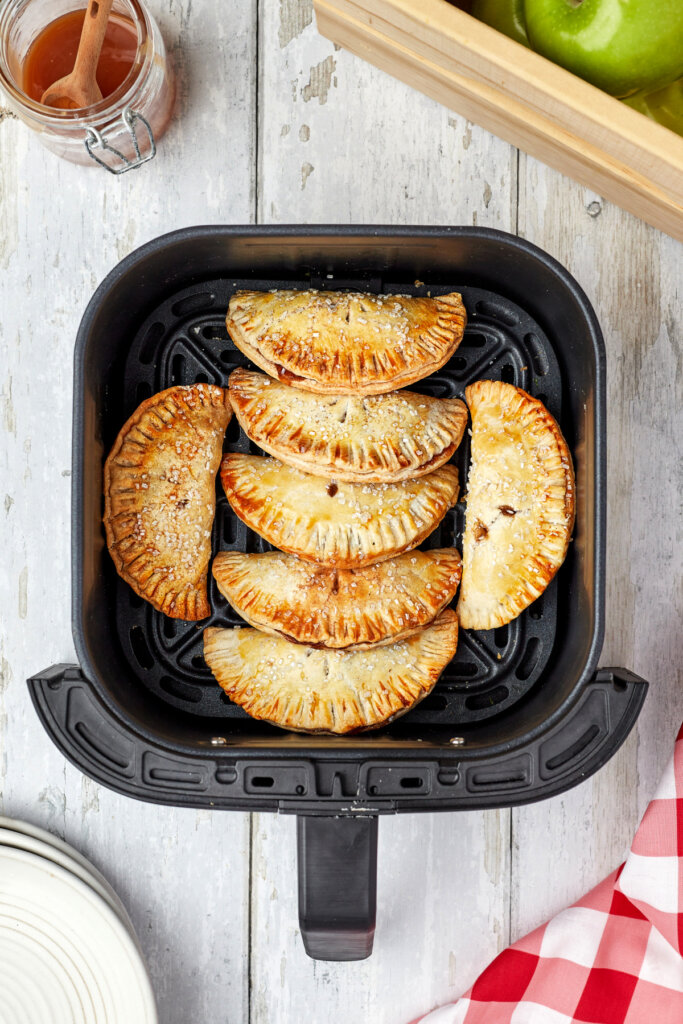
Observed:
{"x":520,"y":96}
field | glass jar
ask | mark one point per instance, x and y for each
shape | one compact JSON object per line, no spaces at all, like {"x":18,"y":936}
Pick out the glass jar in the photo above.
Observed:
{"x":121,"y":130}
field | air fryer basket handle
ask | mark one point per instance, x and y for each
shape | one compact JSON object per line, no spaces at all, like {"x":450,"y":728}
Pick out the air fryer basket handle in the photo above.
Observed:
{"x":106,"y":748}
{"x":337,"y":885}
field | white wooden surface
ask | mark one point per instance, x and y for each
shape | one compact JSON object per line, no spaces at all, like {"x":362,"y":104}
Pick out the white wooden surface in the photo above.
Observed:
{"x":274,"y":124}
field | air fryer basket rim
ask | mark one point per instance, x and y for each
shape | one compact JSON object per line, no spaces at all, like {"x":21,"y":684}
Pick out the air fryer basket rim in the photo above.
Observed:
{"x":379,"y":231}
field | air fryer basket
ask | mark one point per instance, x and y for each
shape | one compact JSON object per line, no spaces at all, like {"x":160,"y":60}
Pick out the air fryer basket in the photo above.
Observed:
{"x":518,"y":715}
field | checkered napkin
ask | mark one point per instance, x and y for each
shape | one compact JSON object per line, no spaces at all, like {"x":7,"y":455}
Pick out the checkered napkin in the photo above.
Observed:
{"x":615,"y":957}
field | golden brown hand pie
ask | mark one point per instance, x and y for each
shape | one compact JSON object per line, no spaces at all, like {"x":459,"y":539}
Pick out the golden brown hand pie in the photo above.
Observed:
{"x":159,"y":490}
{"x":520,"y":505}
{"x":349,"y":437}
{"x":341,"y":525}
{"x":340,"y":608}
{"x":318,"y":690}
{"x":346,"y":342}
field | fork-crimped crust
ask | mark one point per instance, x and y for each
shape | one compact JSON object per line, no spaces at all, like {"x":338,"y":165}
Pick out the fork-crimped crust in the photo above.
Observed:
{"x":159,"y":496}
{"x":378,"y":438}
{"x":318,"y":690}
{"x":339,"y":608}
{"x":520,"y":504}
{"x":341,"y":525}
{"x":346,"y":342}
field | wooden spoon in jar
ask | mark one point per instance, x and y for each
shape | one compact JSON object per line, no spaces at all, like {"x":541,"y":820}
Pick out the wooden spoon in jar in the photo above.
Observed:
{"x":80,"y":88}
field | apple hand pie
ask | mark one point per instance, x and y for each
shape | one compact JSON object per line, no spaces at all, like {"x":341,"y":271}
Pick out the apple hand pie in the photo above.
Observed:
{"x":346,"y":342}
{"x":312,"y":690}
{"x":520,"y":505}
{"x":340,"y":608}
{"x":159,"y":493}
{"x":341,"y":525}
{"x":376,"y":438}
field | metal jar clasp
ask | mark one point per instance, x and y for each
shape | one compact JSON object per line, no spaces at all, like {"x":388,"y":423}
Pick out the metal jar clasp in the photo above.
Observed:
{"x":96,"y":140}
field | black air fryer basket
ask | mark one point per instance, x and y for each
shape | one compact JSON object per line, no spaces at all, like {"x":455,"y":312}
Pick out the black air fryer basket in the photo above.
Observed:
{"x":520,"y":713}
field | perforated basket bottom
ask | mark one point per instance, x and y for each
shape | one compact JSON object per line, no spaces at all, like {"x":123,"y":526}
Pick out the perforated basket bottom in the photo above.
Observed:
{"x":184,"y":341}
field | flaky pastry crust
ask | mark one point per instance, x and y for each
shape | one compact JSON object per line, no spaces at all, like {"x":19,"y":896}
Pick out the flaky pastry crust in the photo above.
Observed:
{"x":159,"y":496}
{"x":346,"y":342}
{"x":520,"y":505}
{"x":378,"y":438}
{"x":340,"y":608}
{"x":340,"y":525}
{"x":317,"y":690}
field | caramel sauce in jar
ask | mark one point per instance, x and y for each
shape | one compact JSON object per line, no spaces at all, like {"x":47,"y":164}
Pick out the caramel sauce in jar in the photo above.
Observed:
{"x":52,"y":54}
{"x":134,"y":74}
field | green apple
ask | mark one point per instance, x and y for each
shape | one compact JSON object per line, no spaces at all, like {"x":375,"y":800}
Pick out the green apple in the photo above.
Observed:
{"x":622,"y":46}
{"x":505,"y":15}
{"x":665,"y":105}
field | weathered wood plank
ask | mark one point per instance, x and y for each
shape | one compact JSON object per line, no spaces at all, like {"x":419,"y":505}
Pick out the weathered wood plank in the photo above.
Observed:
{"x":632,"y":275}
{"x":183,"y":875}
{"x":340,"y":142}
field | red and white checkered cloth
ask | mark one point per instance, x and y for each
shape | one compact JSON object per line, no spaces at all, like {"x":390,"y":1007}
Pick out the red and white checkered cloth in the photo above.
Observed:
{"x":615,"y":957}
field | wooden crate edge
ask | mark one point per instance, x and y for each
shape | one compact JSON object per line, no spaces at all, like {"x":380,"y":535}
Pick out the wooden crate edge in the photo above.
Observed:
{"x":509,"y":119}
{"x":439,"y":32}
